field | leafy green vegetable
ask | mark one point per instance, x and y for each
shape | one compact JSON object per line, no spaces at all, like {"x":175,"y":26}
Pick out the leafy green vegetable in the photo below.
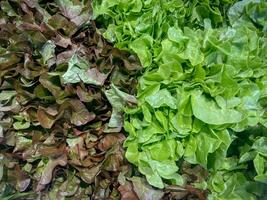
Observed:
{"x":118,"y":100}
{"x":203,"y":87}
{"x":79,"y":70}
{"x":48,"y":53}
{"x":210,"y":113}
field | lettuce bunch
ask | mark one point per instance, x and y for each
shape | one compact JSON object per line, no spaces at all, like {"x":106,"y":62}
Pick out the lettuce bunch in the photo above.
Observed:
{"x":202,"y":95}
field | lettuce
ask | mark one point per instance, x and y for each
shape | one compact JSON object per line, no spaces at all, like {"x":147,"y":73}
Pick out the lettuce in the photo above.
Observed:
{"x":203,"y":87}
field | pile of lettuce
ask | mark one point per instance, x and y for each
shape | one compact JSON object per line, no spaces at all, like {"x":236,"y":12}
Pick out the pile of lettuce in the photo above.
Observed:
{"x":62,"y":92}
{"x":202,"y":97}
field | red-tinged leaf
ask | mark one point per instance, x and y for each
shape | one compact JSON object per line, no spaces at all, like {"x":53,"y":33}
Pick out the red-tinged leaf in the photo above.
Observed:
{"x":88,"y":174}
{"x":47,"y":173}
{"x":96,"y":76}
{"x":144,"y":191}
{"x":62,"y":41}
{"x":80,"y":114}
{"x":74,"y":10}
{"x":60,"y":126}
{"x":22,"y":180}
{"x":46,"y":120}
{"x":7,"y":60}
{"x":110,"y":140}
{"x":127,"y":192}
{"x":51,"y":150}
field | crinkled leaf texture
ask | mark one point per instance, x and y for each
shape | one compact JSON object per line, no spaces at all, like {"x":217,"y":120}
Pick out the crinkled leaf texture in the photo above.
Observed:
{"x":203,"y":88}
{"x":54,"y":70}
